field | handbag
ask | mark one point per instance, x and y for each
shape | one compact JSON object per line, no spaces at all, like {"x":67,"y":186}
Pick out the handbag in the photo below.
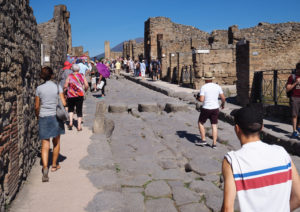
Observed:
{"x":100,"y":85}
{"x":61,"y":112}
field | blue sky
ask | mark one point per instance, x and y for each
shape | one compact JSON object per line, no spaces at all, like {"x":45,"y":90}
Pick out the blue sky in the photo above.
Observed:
{"x":94,"y":21}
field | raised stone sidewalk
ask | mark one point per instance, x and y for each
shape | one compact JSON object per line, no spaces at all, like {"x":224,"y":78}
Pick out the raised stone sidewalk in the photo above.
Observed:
{"x":273,"y":132}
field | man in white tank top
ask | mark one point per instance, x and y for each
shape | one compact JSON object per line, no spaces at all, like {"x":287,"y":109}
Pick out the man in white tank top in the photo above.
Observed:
{"x":263,"y":176}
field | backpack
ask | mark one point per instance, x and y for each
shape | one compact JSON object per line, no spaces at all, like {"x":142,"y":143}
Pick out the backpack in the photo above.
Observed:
{"x":289,"y":94}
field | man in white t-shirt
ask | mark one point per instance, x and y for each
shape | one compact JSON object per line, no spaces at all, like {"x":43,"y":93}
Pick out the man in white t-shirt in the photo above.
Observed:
{"x":263,"y":176}
{"x":209,"y":95}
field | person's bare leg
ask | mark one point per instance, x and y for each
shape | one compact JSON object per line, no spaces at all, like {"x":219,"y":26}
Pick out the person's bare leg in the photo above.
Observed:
{"x":202,"y":131}
{"x":45,"y":152}
{"x":214,"y":133}
{"x":294,"y":120}
{"x":56,"y":150}
{"x":71,"y":114}
{"x":79,"y":123}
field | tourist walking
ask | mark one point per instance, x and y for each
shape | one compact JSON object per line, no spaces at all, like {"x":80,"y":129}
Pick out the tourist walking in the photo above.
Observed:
{"x":67,"y":69}
{"x":82,"y":66}
{"x":136,"y":68}
{"x":263,"y":176}
{"x":118,"y":67}
{"x":293,"y":91}
{"x":76,"y":84}
{"x":94,"y":71}
{"x":50,"y":126}
{"x":143,"y":69}
{"x":154,"y":66}
{"x":209,"y":95}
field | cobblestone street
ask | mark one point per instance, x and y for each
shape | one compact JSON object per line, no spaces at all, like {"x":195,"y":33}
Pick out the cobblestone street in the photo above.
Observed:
{"x":150,"y":162}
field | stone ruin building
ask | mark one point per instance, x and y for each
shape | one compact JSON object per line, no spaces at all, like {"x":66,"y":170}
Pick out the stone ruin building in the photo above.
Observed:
{"x":25,"y":47}
{"x":186,"y":52}
{"x":111,"y":54}
{"x":133,"y":50}
{"x":56,"y":38}
{"x":78,"y":51}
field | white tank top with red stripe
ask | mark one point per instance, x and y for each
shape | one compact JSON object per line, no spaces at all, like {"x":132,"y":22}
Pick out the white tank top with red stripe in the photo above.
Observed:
{"x":263,"y":177}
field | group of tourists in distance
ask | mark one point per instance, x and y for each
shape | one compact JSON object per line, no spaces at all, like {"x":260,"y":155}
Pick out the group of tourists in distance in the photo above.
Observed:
{"x":263,"y":176}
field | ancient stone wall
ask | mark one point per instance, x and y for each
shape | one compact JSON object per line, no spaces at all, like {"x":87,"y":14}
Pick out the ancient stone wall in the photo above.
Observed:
{"x":133,"y":50}
{"x":77,"y":51}
{"x":161,"y":28}
{"x":265,"y":47}
{"x":56,"y":38}
{"x":20,"y":65}
{"x":116,"y":55}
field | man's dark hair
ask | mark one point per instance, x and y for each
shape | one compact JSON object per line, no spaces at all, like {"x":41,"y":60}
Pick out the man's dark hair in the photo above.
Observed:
{"x":249,"y":119}
{"x":46,"y":73}
{"x":298,"y":66}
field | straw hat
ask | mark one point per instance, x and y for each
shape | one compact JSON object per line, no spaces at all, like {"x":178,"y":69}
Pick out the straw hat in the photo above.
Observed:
{"x":208,"y":76}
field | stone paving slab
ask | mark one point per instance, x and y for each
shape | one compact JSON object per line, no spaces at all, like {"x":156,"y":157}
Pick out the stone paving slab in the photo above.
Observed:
{"x":273,"y":132}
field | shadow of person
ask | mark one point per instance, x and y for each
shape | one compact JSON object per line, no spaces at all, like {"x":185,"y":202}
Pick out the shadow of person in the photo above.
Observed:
{"x":189,"y":136}
{"x":60,"y":158}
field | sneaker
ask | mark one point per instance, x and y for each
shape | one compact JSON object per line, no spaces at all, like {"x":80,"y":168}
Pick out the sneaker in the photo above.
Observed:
{"x":295,"y":134}
{"x":45,"y":177}
{"x":298,"y":129}
{"x":214,"y":146}
{"x":200,"y":143}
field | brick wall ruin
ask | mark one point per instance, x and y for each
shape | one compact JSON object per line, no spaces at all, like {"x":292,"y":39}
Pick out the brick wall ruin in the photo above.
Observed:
{"x":56,"y":38}
{"x":186,"y":52}
{"x":176,"y":46}
{"x":133,"y":50}
{"x":20,"y":56}
{"x":261,"y":48}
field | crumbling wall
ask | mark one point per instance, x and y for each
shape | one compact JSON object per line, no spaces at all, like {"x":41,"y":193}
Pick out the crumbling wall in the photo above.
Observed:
{"x":20,"y":57}
{"x":77,"y":51}
{"x":161,"y":28}
{"x":116,"y":55}
{"x":271,"y":47}
{"x":56,"y":39}
{"x":133,"y":50}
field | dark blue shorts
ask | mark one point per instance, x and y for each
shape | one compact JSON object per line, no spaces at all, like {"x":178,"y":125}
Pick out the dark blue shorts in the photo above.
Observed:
{"x":50,"y":127}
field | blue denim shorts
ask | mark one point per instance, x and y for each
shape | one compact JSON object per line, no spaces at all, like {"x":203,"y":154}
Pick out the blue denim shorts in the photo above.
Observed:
{"x":50,"y":127}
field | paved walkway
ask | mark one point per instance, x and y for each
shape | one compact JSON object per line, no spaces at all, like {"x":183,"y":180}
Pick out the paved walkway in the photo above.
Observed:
{"x":69,"y":188}
{"x":150,"y":162}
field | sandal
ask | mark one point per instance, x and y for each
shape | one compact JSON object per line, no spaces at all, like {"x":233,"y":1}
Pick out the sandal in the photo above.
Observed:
{"x":45,"y":177}
{"x":70,"y":127}
{"x":79,"y":129}
{"x":55,"y":168}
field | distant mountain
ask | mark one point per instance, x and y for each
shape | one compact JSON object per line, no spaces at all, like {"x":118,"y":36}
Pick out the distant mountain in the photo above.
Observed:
{"x":119,"y":48}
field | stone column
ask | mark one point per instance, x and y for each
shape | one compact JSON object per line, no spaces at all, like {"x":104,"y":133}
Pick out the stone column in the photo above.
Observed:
{"x":107,"y":49}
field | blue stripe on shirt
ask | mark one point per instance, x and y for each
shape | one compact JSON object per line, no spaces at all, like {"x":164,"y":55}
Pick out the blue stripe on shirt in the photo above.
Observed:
{"x":263,"y":171}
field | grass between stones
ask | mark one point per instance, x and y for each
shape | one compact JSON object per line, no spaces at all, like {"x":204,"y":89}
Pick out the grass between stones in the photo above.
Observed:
{"x":117,"y":168}
{"x":187,"y":185}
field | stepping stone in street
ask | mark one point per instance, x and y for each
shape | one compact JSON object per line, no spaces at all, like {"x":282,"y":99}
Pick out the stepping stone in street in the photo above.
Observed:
{"x":176,"y":107}
{"x":118,"y":108}
{"x":148,"y":107}
{"x":160,"y":205}
{"x":158,"y":189}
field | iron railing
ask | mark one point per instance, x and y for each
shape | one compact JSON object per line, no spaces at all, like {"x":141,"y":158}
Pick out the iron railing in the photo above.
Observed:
{"x":270,"y":86}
